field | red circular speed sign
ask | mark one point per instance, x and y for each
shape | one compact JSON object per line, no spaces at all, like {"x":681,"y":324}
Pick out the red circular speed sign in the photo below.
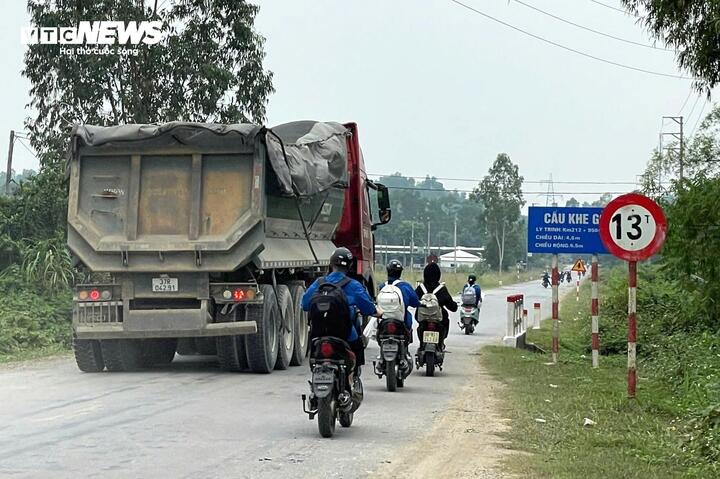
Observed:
{"x":633,"y":227}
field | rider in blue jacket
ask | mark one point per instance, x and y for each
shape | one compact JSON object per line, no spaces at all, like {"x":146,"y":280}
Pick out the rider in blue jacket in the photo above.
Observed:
{"x":472,"y":283}
{"x":410,"y":298}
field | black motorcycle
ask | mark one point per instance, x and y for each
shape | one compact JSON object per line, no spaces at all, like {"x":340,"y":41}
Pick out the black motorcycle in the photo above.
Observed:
{"x":545,"y":283}
{"x":429,"y":354}
{"x":393,"y":361}
{"x":331,"y":397}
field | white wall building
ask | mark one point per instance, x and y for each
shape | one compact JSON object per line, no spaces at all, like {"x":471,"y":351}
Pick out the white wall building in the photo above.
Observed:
{"x":458,"y":258}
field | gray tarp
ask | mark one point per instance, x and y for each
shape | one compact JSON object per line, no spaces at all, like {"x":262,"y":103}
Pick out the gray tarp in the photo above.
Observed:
{"x":312,"y":157}
{"x":315,"y":156}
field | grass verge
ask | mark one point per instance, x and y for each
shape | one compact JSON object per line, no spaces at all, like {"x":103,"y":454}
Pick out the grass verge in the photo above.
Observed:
{"x":548,"y":405}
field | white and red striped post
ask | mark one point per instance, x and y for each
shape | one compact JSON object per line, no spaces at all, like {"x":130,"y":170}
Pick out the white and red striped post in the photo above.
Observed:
{"x":555,"y":307}
{"x":595,"y":313}
{"x":536,"y":316}
{"x":632,"y":328}
{"x":577,"y":290}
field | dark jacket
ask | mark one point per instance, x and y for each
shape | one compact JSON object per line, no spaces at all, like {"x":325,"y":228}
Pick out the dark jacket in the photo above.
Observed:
{"x":431,"y":280}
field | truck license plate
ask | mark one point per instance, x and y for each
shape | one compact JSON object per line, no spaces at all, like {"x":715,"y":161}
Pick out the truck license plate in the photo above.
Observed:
{"x":164,"y":285}
{"x":432,"y":337}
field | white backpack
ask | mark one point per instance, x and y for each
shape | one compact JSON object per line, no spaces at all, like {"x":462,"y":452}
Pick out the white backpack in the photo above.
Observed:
{"x":468,"y":297}
{"x":390,"y":300}
{"x":429,"y":309}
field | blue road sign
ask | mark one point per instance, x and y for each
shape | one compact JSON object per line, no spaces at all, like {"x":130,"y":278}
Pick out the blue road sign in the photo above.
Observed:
{"x":555,"y":229}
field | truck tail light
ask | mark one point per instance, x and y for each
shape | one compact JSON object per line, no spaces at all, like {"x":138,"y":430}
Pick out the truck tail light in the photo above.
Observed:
{"x":239,"y":294}
{"x":94,"y":294}
{"x":82,"y":295}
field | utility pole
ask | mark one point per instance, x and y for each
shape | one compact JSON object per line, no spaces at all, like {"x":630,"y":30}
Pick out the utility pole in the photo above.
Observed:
{"x":8,"y":173}
{"x":428,"y":243}
{"x":412,"y":245}
{"x":455,"y":246}
{"x":680,"y":137}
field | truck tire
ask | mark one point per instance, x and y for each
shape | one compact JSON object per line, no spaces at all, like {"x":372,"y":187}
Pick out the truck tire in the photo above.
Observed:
{"x":302,"y":330}
{"x":121,"y":354}
{"x":158,"y":351}
{"x":88,"y":355}
{"x":286,"y":336}
{"x":262,"y":347}
{"x":231,"y":349}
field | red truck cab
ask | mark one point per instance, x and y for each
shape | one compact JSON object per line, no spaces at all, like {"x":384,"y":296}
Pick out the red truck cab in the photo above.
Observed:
{"x":356,"y":227}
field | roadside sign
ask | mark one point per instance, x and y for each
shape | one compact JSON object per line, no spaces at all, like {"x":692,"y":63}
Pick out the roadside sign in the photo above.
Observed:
{"x":579,"y":266}
{"x":556,"y":229}
{"x":633,"y":227}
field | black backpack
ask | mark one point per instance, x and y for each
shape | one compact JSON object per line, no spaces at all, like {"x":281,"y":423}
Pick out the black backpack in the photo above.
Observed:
{"x":329,"y":313}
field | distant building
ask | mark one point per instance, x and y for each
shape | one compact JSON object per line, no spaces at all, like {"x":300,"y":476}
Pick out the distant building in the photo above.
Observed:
{"x":458,"y":258}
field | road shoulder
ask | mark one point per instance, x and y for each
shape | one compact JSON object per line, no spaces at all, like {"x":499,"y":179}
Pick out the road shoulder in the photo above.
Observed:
{"x":464,"y":441}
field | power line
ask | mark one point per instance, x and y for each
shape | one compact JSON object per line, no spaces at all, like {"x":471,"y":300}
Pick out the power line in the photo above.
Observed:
{"x":557,"y":193}
{"x":538,"y":182}
{"x":19,"y":140}
{"x":693,"y":107}
{"x":592,"y":30}
{"x":615,"y":8}
{"x":699,"y":118}
{"x":564,"y":47}
{"x":685,"y":102}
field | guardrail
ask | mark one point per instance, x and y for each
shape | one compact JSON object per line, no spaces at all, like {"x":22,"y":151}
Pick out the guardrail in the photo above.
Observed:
{"x":516,"y":327}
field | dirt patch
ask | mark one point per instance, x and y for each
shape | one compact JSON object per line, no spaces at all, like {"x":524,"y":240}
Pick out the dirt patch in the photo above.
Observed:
{"x":464,"y":441}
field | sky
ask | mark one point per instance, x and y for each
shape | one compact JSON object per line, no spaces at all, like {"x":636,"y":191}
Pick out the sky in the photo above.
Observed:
{"x":439,"y":90}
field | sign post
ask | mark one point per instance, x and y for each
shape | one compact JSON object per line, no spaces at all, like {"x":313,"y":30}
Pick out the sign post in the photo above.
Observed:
{"x":633,"y":228}
{"x":554,"y":230}
{"x":595,"y":312}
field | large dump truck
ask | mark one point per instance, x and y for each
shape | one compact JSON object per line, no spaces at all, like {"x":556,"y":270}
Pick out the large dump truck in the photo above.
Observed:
{"x":206,"y":236}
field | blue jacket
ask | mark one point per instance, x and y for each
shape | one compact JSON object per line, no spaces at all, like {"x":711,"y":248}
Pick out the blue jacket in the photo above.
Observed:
{"x":356,"y":294}
{"x":410,"y":299}
{"x":478,"y":292}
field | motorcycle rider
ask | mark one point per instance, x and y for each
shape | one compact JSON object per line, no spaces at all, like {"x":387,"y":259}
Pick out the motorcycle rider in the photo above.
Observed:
{"x":357,"y":299}
{"x":431,"y":280}
{"x":546,"y":277}
{"x":471,"y":283}
{"x":410,"y":298}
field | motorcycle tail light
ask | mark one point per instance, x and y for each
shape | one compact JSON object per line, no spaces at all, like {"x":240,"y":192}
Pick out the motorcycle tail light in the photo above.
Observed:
{"x":326,"y":350}
{"x":392,"y":328}
{"x":430,"y":327}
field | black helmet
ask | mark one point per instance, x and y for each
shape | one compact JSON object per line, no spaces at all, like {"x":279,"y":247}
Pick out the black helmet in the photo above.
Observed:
{"x":394,"y":268}
{"x":341,"y":259}
{"x":472,"y":278}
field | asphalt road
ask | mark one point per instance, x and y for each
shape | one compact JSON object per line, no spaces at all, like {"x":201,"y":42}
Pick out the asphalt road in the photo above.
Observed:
{"x":191,"y":420}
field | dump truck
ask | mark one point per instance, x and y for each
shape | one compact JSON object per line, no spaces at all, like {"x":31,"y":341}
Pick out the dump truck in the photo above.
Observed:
{"x":202,"y":238}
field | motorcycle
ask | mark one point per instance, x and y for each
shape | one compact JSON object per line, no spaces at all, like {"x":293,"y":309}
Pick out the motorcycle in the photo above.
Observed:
{"x":545,"y":283}
{"x":393,"y":360}
{"x":331,"y":398}
{"x":429,"y":353}
{"x":469,"y":315}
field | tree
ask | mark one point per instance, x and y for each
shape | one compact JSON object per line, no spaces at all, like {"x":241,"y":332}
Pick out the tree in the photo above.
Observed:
{"x":207,"y":68}
{"x":501,"y":193}
{"x":572,"y":203}
{"x":691,"y":27}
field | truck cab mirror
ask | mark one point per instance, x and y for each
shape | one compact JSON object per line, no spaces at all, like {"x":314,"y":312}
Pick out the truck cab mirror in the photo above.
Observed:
{"x":383,"y":199}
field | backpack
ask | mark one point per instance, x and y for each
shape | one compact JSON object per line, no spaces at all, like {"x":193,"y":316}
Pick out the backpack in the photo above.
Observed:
{"x":390,"y":300}
{"x":468,"y":296}
{"x":329,"y":312}
{"x":429,"y":309}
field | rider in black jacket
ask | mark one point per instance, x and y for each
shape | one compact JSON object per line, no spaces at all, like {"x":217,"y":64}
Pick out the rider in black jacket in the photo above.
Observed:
{"x":431,"y":280}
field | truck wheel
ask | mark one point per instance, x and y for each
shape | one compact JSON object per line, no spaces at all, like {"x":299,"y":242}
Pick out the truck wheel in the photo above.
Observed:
{"x":88,"y":355}
{"x":262,"y":347}
{"x":302,"y":330}
{"x":231,"y":349}
{"x":121,"y":354}
{"x":158,"y":352}
{"x":286,"y":337}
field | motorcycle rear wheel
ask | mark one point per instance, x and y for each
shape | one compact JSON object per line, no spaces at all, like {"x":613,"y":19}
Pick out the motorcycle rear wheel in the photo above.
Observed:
{"x":391,"y":375}
{"x":346,"y":419}
{"x":327,"y":412}
{"x":429,"y":364}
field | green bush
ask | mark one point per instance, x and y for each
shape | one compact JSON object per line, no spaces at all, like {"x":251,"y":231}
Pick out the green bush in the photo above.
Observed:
{"x":32,"y":318}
